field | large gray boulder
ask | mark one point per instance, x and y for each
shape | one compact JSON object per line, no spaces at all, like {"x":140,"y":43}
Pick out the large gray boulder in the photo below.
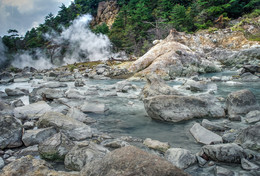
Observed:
{"x":180,"y":158}
{"x":229,"y":153}
{"x":16,"y":92}
{"x":94,"y":107}
{"x":250,"y":137}
{"x":249,"y":77}
{"x":32,"y":111}
{"x":56,"y":147}
{"x":73,"y":93}
{"x":131,"y":161}
{"x":10,"y":132}
{"x":80,"y":116}
{"x":241,"y":102}
{"x":253,"y":116}
{"x":83,"y":153}
{"x":74,"y":129}
{"x":204,"y":136}
{"x":173,"y":108}
{"x":32,"y":137}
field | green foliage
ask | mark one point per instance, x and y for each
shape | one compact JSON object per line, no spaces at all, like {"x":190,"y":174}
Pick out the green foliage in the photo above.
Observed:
{"x":103,"y":29}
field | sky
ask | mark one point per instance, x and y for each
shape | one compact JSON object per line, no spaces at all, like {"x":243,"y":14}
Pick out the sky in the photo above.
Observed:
{"x":22,"y":15}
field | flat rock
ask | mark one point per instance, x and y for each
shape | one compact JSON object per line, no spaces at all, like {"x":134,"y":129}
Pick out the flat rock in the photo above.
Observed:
{"x":94,"y":107}
{"x":16,"y":92}
{"x":221,"y":171}
{"x":131,"y":161}
{"x":53,"y":85}
{"x":80,"y":116}
{"x":180,"y":158}
{"x":73,"y":93}
{"x":32,"y":111}
{"x":253,"y":116}
{"x":32,"y":137}
{"x":247,"y":165}
{"x":212,"y":126}
{"x":156,"y":145}
{"x":204,"y":136}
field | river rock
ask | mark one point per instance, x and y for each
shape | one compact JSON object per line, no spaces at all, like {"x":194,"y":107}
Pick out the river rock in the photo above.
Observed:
{"x":2,"y":163}
{"x":221,"y":171}
{"x":247,"y":165}
{"x":212,"y":126}
{"x":229,"y":153}
{"x":131,"y":161}
{"x":250,"y":137}
{"x":32,"y":111}
{"x":156,"y":145}
{"x":17,"y":103}
{"x":29,"y":166}
{"x":51,"y":94}
{"x":65,"y":77}
{"x":114,"y":143}
{"x":83,"y":153}
{"x":16,"y":92}
{"x":79,"y":83}
{"x":80,"y":116}
{"x":124,"y":86}
{"x":6,"y":77}
{"x":173,"y":108}
{"x":32,"y":137}
{"x":180,"y":158}
{"x":249,"y":77}
{"x":53,"y":85}
{"x":204,"y":136}
{"x":75,"y":94}
{"x":31,"y":150}
{"x":241,"y":102}
{"x":55,"y":147}
{"x":10,"y":132}
{"x":72,"y":128}
{"x":94,"y":107}
{"x":253,"y":116}
{"x":156,"y":86}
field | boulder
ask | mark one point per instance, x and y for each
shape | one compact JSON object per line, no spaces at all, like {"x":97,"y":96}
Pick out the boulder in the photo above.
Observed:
{"x":229,"y":153}
{"x":212,"y":126}
{"x":32,"y":137}
{"x":51,"y":94}
{"x":10,"y":132}
{"x":180,"y":158}
{"x":221,"y":171}
{"x":249,"y":77}
{"x":124,"y":86}
{"x":94,"y":107}
{"x":16,"y":92}
{"x":253,"y":116}
{"x":53,"y":85}
{"x":83,"y":153}
{"x":79,"y":83}
{"x":250,"y":137}
{"x":173,"y":108}
{"x":251,"y":68}
{"x":6,"y":77}
{"x":241,"y":102}
{"x":55,"y":147}
{"x":204,"y":136}
{"x":72,"y":128}
{"x":80,"y":116}
{"x":29,"y":166}
{"x":156,"y":86}
{"x":32,"y":111}
{"x":156,"y":145}
{"x":247,"y":165}
{"x":114,"y":143}
{"x":2,"y":163}
{"x":17,"y":103}
{"x":31,"y":150}
{"x":131,"y":161}
{"x":75,"y":94}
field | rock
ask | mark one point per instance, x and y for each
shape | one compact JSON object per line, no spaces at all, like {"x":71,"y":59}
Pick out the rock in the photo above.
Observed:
{"x":72,"y":128}
{"x":28,"y":125}
{"x":229,"y":136}
{"x":249,"y":77}
{"x":2,"y":163}
{"x":250,"y":137}
{"x":221,"y":171}
{"x":204,"y":136}
{"x":212,"y":126}
{"x":253,"y":116}
{"x":180,"y":158}
{"x":3,"y":94}
{"x":4,"y":106}
{"x":6,"y":77}
{"x":32,"y":137}
{"x":80,"y":116}
{"x":73,"y":93}
{"x":79,"y":83}
{"x":81,"y":154}
{"x":247,"y":165}
{"x":198,"y":86}
{"x":10,"y":132}
{"x":16,"y":92}
{"x":131,"y":161}
{"x":65,"y":77}
{"x":28,"y":166}
{"x":114,"y":143}
{"x":229,"y":153}
{"x":51,"y":94}
{"x":156,"y":86}
{"x":10,"y":159}
{"x":124,"y":86}
{"x":201,"y":160}
{"x":174,"y":108}
{"x":17,"y":103}
{"x":94,"y":107}
{"x":31,"y":150}
{"x":32,"y":111}
{"x":215,"y":79}
{"x":18,"y":80}
{"x":251,"y":68}
{"x":156,"y":145}
{"x":56,"y":147}
{"x":53,"y":85}
{"x":241,"y":102}
{"x":235,"y":117}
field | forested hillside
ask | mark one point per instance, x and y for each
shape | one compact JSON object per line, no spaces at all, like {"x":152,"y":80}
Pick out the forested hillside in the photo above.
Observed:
{"x":137,"y":24}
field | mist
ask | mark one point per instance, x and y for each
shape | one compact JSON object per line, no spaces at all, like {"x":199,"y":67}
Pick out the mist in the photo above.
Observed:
{"x":2,"y":54}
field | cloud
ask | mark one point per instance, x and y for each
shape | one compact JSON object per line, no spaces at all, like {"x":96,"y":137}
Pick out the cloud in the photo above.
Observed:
{"x":23,"y":14}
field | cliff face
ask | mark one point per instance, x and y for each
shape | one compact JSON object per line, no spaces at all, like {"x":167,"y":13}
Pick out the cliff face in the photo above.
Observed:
{"x":107,"y":12}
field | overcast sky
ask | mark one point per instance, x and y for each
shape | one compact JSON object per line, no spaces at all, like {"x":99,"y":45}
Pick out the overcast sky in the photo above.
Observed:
{"x":25,"y":14}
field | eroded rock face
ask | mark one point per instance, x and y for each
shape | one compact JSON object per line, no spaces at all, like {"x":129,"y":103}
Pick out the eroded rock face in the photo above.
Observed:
{"x":250,"y":137}
{"x":28,"y":166}
{"x":83,"y":153}
{"x":241,"y":102}
{"x":56,"y":147}
{"x":10,"y":132}
{"x":174,"y":108}
{"x":131,"y":161}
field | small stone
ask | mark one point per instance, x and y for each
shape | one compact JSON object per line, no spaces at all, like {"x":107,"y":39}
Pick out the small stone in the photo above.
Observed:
{"x":156,"y":145}
{"x":235,"y":118}
{"x":247,"y":165}
{"x":28,"y":125}
{"x":115,"y":143}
